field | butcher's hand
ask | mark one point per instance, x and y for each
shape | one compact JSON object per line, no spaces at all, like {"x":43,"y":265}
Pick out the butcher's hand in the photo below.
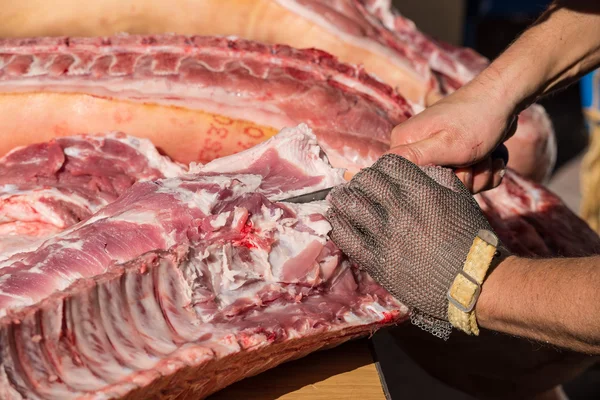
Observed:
{"x":465,"y":127}
{"x":466,"y":131}
{"x":411,"y":228}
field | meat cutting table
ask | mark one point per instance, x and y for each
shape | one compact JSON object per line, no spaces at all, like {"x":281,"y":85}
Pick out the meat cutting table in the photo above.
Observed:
{"x":345,"y":372}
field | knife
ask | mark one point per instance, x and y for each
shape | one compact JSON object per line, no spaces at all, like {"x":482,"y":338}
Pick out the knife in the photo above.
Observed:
{"x":308,"y":197}
{"x":500,"y":152}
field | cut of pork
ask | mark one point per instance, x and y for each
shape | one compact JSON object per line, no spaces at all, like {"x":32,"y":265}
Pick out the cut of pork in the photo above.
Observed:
{"x":196,"y":98}
{"x":159,"y":214}
{"x":185,"y":285}
{"x":249,"y":87}
{"x":336,"y":26}
{"x":532,"y":221}
{"x":47,"y":187}
{"x":362,"y":32}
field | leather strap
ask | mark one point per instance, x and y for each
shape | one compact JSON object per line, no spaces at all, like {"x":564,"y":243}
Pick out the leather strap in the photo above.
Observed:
{"x":465,"y":289}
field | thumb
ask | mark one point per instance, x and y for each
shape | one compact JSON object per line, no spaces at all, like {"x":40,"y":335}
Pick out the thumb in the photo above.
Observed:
{"x":438,"y":149}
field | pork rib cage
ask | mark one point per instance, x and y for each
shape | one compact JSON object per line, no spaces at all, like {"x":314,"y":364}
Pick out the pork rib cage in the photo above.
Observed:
{"x":186,"y":274}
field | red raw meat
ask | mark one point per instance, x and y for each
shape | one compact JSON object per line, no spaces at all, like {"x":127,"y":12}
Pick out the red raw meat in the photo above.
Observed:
{"x":235,"y":79}
{"x":351,"y":112}
{"x":47,"y":187}
{"x":186,"y":274}
{"x":363,"y":32}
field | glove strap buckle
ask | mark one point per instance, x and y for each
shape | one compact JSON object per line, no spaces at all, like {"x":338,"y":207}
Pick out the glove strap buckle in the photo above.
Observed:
{"x":468,"y":308}
{"x":466,"y":288}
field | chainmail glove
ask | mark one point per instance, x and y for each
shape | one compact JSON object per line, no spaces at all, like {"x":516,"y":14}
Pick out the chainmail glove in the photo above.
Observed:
{"x":411,"y":228}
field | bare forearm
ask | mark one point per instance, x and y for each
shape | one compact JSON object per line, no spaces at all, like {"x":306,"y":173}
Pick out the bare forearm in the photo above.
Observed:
{"x":561,"y":46}
{"x":554,"y":301}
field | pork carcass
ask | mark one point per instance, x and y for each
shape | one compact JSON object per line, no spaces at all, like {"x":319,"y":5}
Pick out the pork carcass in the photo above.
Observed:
{"x":170,"y":289}
{"x":196,"y":98}
{"x":184,"y":285}
{"x":363,"y":32}
{"x":200,"y":98}
{"x":216,"y":96}
{"x":47,"y":187}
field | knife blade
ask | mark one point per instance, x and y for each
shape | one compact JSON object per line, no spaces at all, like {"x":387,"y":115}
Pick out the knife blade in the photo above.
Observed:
{"x":309,"y":197}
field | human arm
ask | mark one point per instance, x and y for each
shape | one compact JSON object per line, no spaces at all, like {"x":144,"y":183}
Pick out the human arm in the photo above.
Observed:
{"x":412,"y":229}
{"x":555,"y":301}
{"x":462,"y":129}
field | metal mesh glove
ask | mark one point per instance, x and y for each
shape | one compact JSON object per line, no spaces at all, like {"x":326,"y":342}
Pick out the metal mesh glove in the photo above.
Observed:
{"x":411,"y":229}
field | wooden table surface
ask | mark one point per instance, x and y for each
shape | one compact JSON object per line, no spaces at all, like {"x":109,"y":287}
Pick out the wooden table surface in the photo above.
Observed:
{"x":345,"y":372}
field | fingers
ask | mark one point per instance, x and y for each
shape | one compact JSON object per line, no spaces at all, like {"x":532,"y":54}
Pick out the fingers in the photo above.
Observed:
{"x":438,"y":149}
{"x":445,"y":177}
{"x":405,"y":177}
{"x":349,"y":240}
{"x":499,"y":169}
{"x":400,"y":170}
{"x":356,"y":207}
{"x":466,"y":177}
{"x":482,"y":176}
{"x":378,"y":187}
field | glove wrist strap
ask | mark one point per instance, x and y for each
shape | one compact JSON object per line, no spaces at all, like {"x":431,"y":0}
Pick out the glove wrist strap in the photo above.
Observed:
{"x":465,"y":290}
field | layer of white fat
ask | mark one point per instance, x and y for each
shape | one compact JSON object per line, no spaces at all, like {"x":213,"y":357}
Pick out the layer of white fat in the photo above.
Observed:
{"x":72,"y":151}
{"x":306,"y":212}
{"x":31,"y":199}
{"x":137,"y":216}
{"x":299,"y":147}
{"x":13,"y":244}
{"x":386,"y":13}
{"x":359,"y":86}
{"x":205,"y":200}
{"x":8,"y":189}
{"x":220,"y":220}
{"x":362,"y":42}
